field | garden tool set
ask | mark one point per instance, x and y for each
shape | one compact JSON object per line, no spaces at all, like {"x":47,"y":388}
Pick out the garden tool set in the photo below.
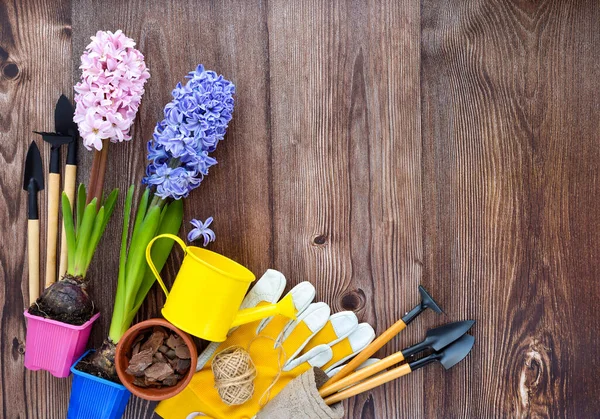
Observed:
{"x":285,"y":352}
{"x":450,"y":343}
{"x":66,"y":132}
{"x":385,"y":337}
{"x":448,"y":357}
{"x":33,"y":182}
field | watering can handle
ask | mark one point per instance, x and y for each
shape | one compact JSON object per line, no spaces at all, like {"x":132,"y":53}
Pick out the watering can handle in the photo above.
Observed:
{"x":149,"y":256}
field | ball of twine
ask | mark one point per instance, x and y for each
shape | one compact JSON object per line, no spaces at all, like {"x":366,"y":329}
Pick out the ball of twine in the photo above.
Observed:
{"x":234,"y":374}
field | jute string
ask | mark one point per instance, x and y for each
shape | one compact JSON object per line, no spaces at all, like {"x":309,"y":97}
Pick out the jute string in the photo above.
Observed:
{"x":234,"y":373}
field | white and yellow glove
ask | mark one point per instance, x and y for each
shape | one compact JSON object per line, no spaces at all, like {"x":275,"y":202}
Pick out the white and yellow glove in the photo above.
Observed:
{"x":280,"y":349}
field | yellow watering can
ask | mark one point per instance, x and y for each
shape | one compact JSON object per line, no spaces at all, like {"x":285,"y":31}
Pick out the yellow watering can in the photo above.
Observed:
{"x":207,"y":293}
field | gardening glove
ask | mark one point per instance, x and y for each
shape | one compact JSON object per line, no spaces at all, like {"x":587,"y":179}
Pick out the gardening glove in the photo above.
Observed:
{"x":300,"y":399}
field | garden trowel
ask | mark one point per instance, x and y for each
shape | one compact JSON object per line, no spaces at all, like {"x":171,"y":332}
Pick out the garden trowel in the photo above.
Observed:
{"x":448,"y":357}
{"x":33,"y":182}
{"x":435,"y":339}
{"x":63,"y":124}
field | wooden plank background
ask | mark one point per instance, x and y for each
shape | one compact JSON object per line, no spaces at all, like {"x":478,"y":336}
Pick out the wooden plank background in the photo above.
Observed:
{"x":375,"y":145}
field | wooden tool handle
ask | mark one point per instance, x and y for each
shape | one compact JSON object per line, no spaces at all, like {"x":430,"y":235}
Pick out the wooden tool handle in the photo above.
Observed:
{"x":69,"y":188}
{"x":362,"y":373}
{"x":384,"y":338}
{"x":52,"y":227}
{"x":369,"y":384}
{"x":33,"y":250}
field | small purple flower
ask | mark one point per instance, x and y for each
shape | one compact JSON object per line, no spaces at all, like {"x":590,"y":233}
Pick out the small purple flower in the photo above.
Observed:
{"x":202,"y":229}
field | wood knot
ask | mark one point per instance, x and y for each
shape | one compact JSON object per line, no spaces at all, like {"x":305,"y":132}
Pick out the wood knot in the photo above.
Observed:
{"x":66,"y":32}
{"x":320,"y":240}
{"x":354,"y":300}
{"x":368,"y":409}
{"x":10,"y":71}
{"x":18,"y":348}
{"x":534,"y":374}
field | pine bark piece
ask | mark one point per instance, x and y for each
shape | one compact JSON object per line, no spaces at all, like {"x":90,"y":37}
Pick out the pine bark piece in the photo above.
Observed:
{"x":152,"y":383}
{"x":173,"y":362}
{"x":182,"y":352}
{"x":136,"y":349}
{"x":183,"y":365}
{"x":139,"y":363}
{"x":170,"y":381}
{"x":175,"y":341}
{"x":158,"y":371}
{"x":140,"y":382}
{"x":154,"y":341}
{"x":139,"y":338}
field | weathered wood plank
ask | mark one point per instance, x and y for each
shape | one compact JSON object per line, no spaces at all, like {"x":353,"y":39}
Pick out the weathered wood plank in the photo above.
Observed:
{"x":32,"y":35}
{"x":510,"y":128}
{"x":347,"y":166}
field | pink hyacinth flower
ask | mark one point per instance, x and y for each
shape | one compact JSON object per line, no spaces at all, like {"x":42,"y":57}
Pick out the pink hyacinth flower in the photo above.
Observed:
{"x":110,"y":90}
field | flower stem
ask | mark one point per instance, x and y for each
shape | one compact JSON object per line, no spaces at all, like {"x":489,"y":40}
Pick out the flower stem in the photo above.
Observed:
{"x":97,"y":174}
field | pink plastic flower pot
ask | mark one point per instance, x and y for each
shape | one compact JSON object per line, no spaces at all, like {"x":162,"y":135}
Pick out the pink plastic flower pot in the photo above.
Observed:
{"x":55,"y":346}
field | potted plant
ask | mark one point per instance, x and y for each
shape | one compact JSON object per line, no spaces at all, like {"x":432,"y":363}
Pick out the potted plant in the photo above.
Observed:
{"x":108,"y":97}
{"x":94,"y":374}
{"x":195,"y":121}
{"x":60,"y":320}
{"x":139,"y":362}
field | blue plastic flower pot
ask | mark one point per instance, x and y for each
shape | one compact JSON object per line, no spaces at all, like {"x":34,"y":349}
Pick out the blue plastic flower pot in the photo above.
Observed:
{"x":93,"y":397}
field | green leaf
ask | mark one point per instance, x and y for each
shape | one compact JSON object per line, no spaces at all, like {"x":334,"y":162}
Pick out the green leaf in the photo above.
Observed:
{"x":119,"y":311}
{"x":81,"y":197}
{"x":125,"y":232}
{"x":94,"y":238}
{"x":141,"y":211}
{"x":171,"y":223}
{"x":109,"y":206}
{"x":110,"y":202}
{"x":135,"y":266}
{"x":102,"y":219}
{"x":87,"y":222}
{"x":69,"y":231}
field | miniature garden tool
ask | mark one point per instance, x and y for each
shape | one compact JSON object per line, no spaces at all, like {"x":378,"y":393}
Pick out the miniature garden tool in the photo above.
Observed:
{"x":67,"y":126}
{"x":448,"y":357}
{"x":207,"y":293}
{"x":435,"y":339}
{"x":33,"y":182}
{"x":426,"y":302}
{"x":63,"y":118}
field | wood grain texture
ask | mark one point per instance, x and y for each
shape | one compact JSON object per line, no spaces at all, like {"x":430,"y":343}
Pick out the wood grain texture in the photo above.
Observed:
{"x":510,"y":134}
{"x":375,"y":146}
{"x":347,"y":165}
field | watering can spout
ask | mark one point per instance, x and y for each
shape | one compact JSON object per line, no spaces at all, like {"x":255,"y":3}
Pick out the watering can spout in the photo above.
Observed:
{"x":285,"y":307}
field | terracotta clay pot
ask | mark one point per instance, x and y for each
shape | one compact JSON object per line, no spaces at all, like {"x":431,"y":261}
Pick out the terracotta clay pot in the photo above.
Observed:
{"x":124,"y":353}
